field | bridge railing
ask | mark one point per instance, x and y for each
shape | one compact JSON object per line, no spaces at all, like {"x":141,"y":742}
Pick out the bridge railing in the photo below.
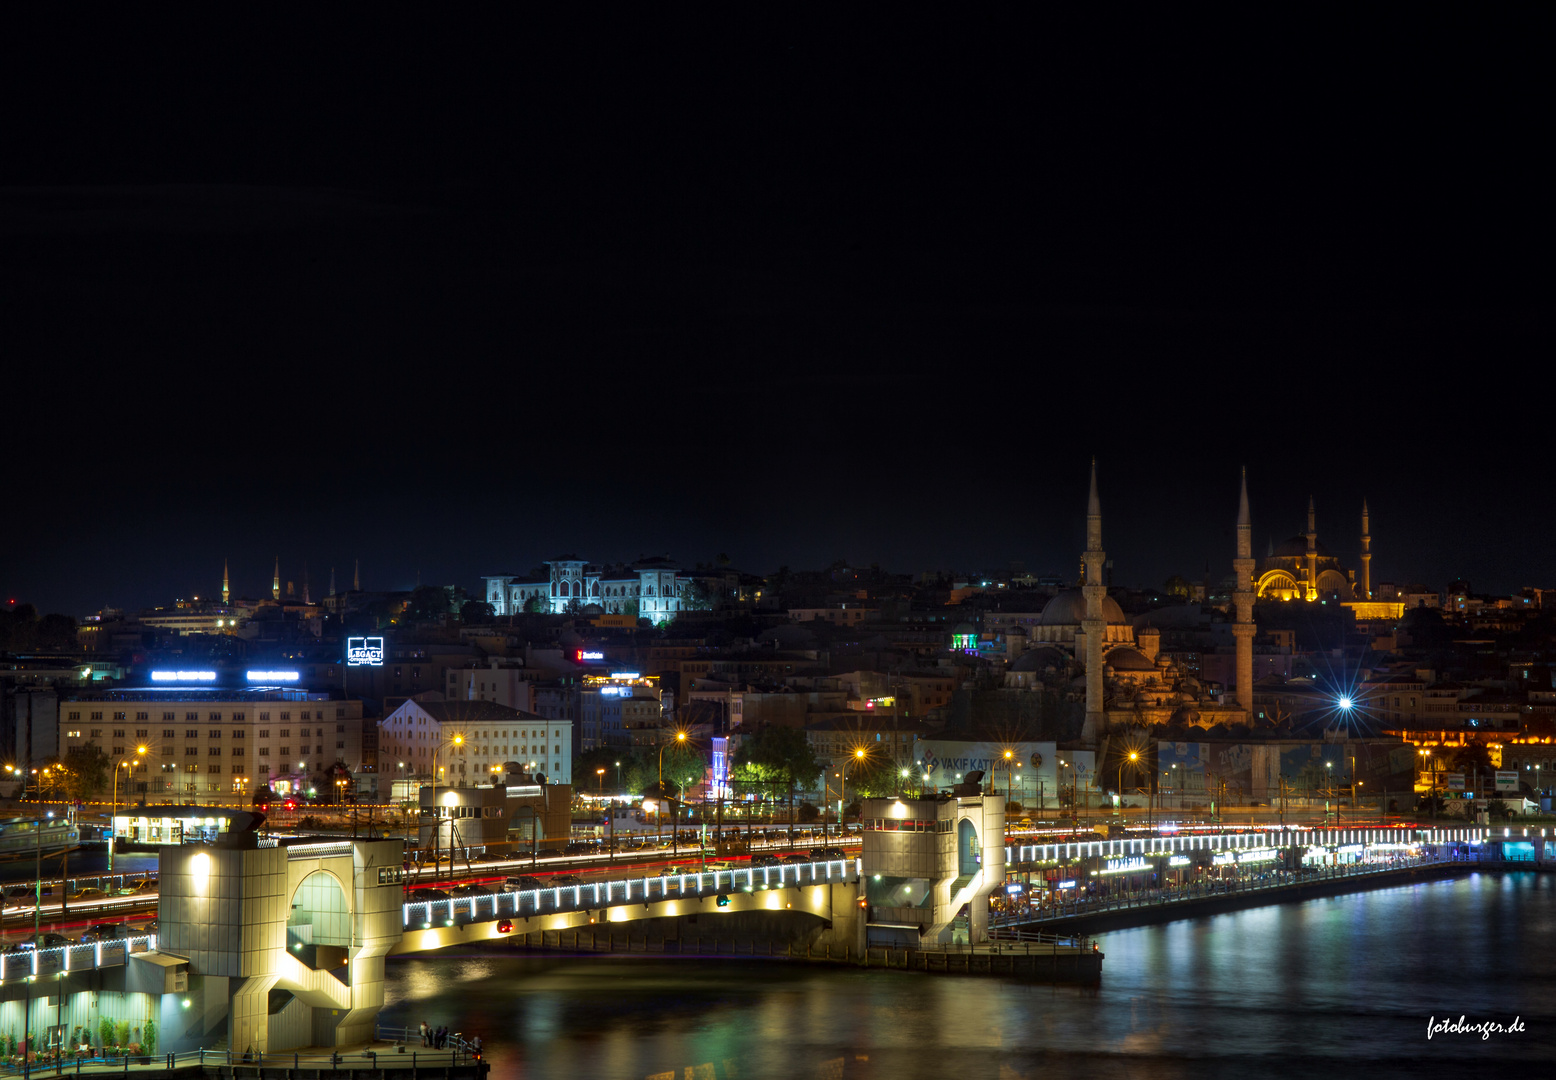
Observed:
{"x":1276,"y":837}
{"x":21,"y":964}
{"x":1269,"y":880}
{"x":636,"y":890}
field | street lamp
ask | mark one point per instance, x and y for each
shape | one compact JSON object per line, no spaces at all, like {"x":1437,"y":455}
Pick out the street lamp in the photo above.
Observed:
{"x":680,"y":737}
{"x":1134,"y":755}
{"x":842,"y":785}
{"x":455,"y":741}
{"x":1009,"y":757}
{"x":600,"y":773}
{"x":128,"y":763}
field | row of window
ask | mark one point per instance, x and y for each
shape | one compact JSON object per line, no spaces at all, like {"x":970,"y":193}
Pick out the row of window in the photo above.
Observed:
{"x":215,"y":717}
{"x":900,"y":825}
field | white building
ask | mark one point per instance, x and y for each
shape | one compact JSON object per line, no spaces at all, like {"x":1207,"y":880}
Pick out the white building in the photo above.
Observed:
{"x":466,"y":740}
{"x":503,"y":683}
{"x":652,"y":584}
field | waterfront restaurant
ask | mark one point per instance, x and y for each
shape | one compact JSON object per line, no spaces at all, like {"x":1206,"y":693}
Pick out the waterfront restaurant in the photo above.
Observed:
{"x":149,"y":827}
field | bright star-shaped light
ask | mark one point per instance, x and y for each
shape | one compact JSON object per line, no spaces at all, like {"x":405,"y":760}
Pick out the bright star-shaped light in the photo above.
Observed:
{"x":1345,"y":703}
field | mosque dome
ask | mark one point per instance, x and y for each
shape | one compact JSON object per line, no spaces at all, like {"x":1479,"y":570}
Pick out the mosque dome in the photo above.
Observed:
{"x":1127,"y":659}
{"x":1068,"y":608}
{"x":1184,"y":715}
{"x":1038,"y":660}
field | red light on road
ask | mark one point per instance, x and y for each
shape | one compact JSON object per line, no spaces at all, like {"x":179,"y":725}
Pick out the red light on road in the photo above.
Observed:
{"x":505,"y":927}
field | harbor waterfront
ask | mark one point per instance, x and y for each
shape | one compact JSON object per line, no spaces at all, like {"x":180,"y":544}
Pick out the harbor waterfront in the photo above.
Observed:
{"x":1343,"y":986}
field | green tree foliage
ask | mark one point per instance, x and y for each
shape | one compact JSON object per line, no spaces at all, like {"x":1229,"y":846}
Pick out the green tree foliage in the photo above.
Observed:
{"x":874,"y":777}
{"x":87,"y":773}
{"x":1176,"y":586}
{"x":477,"y":613}
{"x":536,"y":605}
{"x":694,"y":596}
{"x":427,"y":603}
{"x":774,"y":759}
{"x":21,"y":629}
{"x":684,"y":766}
{"x":148,"y":1042}
{"x":1473,"y":758}
{"x":105,"y":1032}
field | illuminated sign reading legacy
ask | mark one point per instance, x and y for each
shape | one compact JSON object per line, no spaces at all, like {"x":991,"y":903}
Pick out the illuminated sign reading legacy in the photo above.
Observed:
{"x":364,"y":652}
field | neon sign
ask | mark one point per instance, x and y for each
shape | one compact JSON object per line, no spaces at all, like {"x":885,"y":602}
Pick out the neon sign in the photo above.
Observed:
{"x":364,"y":652}
{"x":582,"y":655}
{"x":273,"y":676}
{"x":1124,"y":866}
{"x":183,"y":676}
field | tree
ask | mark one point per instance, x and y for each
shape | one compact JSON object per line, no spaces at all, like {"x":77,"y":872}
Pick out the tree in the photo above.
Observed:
{"x":477,"y":613}
{"x":630,"y":608}
{"x":777,"y":757}
{"x":694,"y":596}
{"x":1474,"y":760}
{"x":86,"y":773}
{"x":1177,"y":587}
{"x":427,"y":603}
{"x":536,"y":605}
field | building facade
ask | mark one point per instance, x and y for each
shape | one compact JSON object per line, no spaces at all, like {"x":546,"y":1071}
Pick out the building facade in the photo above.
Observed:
{"x":464,"y":743}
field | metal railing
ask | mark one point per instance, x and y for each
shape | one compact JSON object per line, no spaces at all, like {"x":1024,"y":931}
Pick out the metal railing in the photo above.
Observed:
{"x":459,"y":1051}
{"x":1273,"y":880}
{"x":637,"y":890}
{"x":20,"y":964}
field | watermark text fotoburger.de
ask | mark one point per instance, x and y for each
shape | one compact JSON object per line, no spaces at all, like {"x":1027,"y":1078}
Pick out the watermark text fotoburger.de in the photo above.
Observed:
{"x":1485,"y":1028}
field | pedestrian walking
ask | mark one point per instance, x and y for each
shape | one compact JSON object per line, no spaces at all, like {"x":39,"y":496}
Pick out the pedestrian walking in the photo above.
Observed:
{"x":424,"y":1039}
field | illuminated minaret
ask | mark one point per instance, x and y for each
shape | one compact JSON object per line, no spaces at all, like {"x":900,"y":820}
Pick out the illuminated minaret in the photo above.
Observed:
{"x":1366,"y":556}
{"x":305,"y":584}
{"x":275,"y":582}
{"x":1094,"y":624}
{"x":1312,"y":550}
{"x":1242,"y":601}
{"x":332,"y":581}
{"x":226,"y":591}
{"x":356,"y":577}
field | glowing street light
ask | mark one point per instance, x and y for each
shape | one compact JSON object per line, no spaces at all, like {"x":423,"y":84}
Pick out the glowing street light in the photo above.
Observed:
{"x":128,"y":763}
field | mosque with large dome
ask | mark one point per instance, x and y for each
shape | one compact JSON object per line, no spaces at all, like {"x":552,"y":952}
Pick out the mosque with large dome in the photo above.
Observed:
{"x":1128,"y":684}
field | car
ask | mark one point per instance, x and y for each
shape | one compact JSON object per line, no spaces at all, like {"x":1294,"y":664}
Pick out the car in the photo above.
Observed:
{"x":87,"y":895}
{"x":798,"y":857}
{"x":145,"y":885}
{"x":825,"y":853}
{"x":104,"y":932}
{"x":564,"y":880}
{"x":19,"y":892}
{"x":419,"y":896}
{"x":20,"y":947}
{"x":471,"y":890}
{"x":51,"y":941}
{"x":522,"y":883}
{"x":765,"y":858}
{"x":579,"y":847}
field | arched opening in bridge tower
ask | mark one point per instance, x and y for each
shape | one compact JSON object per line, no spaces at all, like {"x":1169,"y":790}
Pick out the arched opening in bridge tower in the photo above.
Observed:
{"x":318,"y":928}
{"x":969,"y":851}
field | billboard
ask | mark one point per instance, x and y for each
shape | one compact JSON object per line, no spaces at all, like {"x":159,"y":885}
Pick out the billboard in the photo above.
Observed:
{"x":1453,"y":781}
{"x":364,"y":652}
{"x":1507,"y":781}
{"x":1036,"y":775}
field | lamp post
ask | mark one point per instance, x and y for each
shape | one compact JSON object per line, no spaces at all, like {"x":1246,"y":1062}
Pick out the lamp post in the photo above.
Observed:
{"x":842,"y":799}
{"x":618,"y":778}
{"x":600,"y":774}
{"x":455,"y":741}
{"x":680,"y":737}
{"x":128,"y":763}
{"x":1134,"y":755}
{"x":1009,"y":757}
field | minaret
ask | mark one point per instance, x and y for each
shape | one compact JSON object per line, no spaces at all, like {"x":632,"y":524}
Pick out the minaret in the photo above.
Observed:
{"x":1094,"y":624}
{"x":306,"y":600}
{"x":1366,"y":556}
{"x":356,"y":577}
{"x":1312,"y":551}
{"x":332,"y":581}
{"x":227,"y":591}
{"x":275,"y":582}
{"x":1242,"y":603}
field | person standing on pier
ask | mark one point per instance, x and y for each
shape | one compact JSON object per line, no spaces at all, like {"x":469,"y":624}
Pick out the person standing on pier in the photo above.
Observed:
{"x":424,"y":1040}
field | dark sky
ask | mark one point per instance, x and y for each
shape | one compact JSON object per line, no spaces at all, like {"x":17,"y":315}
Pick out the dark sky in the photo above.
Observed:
{"x":458,"y":298}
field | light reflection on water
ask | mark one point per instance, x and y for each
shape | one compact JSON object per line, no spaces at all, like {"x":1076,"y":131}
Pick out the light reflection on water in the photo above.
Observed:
{"x":1337,"y":987}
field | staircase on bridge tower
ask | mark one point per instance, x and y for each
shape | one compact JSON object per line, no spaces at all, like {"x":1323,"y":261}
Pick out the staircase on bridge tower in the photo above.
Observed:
{"x":926,"y":861}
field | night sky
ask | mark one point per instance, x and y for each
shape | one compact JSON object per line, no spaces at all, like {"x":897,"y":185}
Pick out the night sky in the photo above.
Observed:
{"x":454,"y":299}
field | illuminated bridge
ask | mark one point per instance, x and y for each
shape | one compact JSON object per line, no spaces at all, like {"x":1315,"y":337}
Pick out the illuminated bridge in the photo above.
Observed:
{"x":1236,"y":842}
{"x":828,"y":891}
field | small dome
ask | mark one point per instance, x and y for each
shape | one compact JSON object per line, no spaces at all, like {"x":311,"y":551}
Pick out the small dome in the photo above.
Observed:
{"x":1127,"y":659}
{"x":1068,"y":608}
{"x":1037,"y":660}
{"x":965,"y":628}
{"x":1184,"y":715}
